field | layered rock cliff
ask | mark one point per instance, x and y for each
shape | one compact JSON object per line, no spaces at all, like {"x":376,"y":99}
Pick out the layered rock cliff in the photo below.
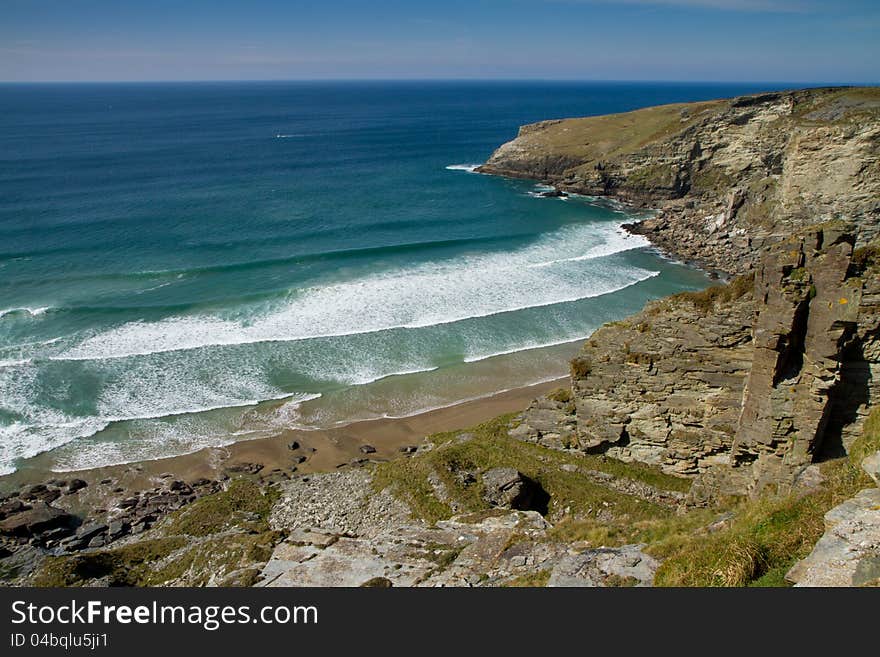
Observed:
{"x":727,"y":175}
{"x":744,"y":386}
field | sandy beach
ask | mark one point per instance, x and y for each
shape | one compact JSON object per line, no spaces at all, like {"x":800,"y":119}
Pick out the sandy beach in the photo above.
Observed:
{"x":322,"y":449}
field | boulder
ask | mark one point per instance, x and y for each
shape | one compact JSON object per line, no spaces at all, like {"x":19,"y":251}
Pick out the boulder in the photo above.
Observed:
{"x":244,"y":468}
{"x":75,"y":485}
{"x":38,"y":518}
{"x":89,"y":531}
{"x":180,"y":487}
{"x":848,"y":554}
{"x":10,"y":507}
{"x":623,"y":566}
{"x":507,"y":488}
{"x":871,"y":465}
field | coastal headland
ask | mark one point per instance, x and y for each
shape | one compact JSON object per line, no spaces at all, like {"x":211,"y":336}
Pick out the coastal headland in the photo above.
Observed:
{"x":724,"y":437}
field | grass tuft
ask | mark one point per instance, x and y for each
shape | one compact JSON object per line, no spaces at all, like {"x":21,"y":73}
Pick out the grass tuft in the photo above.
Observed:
{"x":704,"y":301}
{"x":242,"y":502}
{"x":573,"y":494}
{"x":767,"y":535}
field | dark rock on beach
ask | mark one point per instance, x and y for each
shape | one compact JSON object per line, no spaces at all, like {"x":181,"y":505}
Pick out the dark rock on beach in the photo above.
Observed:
{"x":35,"y":518}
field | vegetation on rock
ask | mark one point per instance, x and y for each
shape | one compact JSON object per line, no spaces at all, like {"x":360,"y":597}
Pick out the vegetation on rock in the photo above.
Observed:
{"x":767,"y":535}
{"x":215,"y":540}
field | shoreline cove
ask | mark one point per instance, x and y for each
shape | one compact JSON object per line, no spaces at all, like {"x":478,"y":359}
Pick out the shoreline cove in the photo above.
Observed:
{"x":703,"y":436}
{"x":110,"y":422}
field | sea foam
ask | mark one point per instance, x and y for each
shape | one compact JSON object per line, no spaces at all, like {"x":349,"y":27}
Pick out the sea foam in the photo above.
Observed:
{"x":563,"y":266}
{"x":470,"y":168}
{"x":30,"y":312}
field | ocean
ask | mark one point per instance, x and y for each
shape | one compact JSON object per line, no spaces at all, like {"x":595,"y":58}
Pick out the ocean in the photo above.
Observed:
{"x":185,"y":265}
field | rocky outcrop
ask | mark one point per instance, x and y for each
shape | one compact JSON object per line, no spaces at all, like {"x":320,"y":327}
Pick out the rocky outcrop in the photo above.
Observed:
{"x":497,"y":547}
{"x":808,"y":313}
{"x":507,"y":488}
{"x":848,"y":554}
{"x":34,"y":520}
{"x":549,"y":421}
{"x":665,"y":386}
{"x":742,"y":386}
{"x":462,"y":551}
{"x":623,"y":566}
{"x":728,"y":176}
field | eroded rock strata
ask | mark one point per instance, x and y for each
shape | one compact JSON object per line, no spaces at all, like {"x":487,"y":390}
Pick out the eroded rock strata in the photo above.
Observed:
{"x":747,"y":386}
{"x":737,"y":390}
{"x":728,"y":175}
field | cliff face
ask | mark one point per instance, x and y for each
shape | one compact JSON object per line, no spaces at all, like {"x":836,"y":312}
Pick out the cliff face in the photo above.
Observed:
{"x":665,"y":386}
{"x":745,"y":386}
{"x":727,"y":175}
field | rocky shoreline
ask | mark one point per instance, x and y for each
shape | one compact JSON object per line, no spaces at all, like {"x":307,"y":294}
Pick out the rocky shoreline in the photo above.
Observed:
{"x":724,"y":437}
{"x":728,"y":177}
{"x":93,"y":511}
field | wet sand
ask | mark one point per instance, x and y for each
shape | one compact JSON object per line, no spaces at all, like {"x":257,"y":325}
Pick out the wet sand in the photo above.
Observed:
{"x":322,"y":449}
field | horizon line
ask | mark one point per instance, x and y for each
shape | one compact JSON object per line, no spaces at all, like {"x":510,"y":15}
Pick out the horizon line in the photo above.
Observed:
{"x":819,"y":83}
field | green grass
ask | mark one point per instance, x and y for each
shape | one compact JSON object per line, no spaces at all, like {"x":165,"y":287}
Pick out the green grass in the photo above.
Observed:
{"x":214,"y":558}
{"x":130,"y":565}
{"x":868,"y":442}
{"x":491,"y":447}
{"x":768,"y":535}
{"x":605,"y":137}
{"x":165,"y":561}
{"x":537,"y":579}
{"x":242,"y":500}
{"x":705,"y":300}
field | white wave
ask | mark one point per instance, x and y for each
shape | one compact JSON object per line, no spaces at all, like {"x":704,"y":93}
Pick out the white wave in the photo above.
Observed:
{"x":168,"y":437}
{"x":525,"y":347}
{"x":33,"y":312}
{"x":21,"y":440}
{"x":619,"y":242}
{"x":155,"y":287}
{"x":470,"y":168}
{"x":291,"y":136}
{"x":15,"y":363}
{"x":561,"y":267}
{"x":132,"y":394}
{"x":373,"y":377}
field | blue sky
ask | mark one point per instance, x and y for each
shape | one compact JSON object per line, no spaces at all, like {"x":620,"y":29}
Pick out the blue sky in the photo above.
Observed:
{"x":748,"y":40}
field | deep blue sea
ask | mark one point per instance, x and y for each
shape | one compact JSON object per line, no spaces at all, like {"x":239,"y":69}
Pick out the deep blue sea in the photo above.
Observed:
{"x":182,"y":265}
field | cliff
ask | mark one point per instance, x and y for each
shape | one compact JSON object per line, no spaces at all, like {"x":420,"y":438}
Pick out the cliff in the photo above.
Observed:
{"x":746,"y":386}
{"x":728,"y":175}
{"x":653,"y":466}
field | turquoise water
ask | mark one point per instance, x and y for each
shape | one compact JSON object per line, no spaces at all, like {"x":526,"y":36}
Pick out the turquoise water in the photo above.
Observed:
{"x":183,"y":265}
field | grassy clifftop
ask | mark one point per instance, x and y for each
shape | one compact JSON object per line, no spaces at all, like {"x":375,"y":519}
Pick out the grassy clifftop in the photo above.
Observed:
{"x":726,"y":173}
